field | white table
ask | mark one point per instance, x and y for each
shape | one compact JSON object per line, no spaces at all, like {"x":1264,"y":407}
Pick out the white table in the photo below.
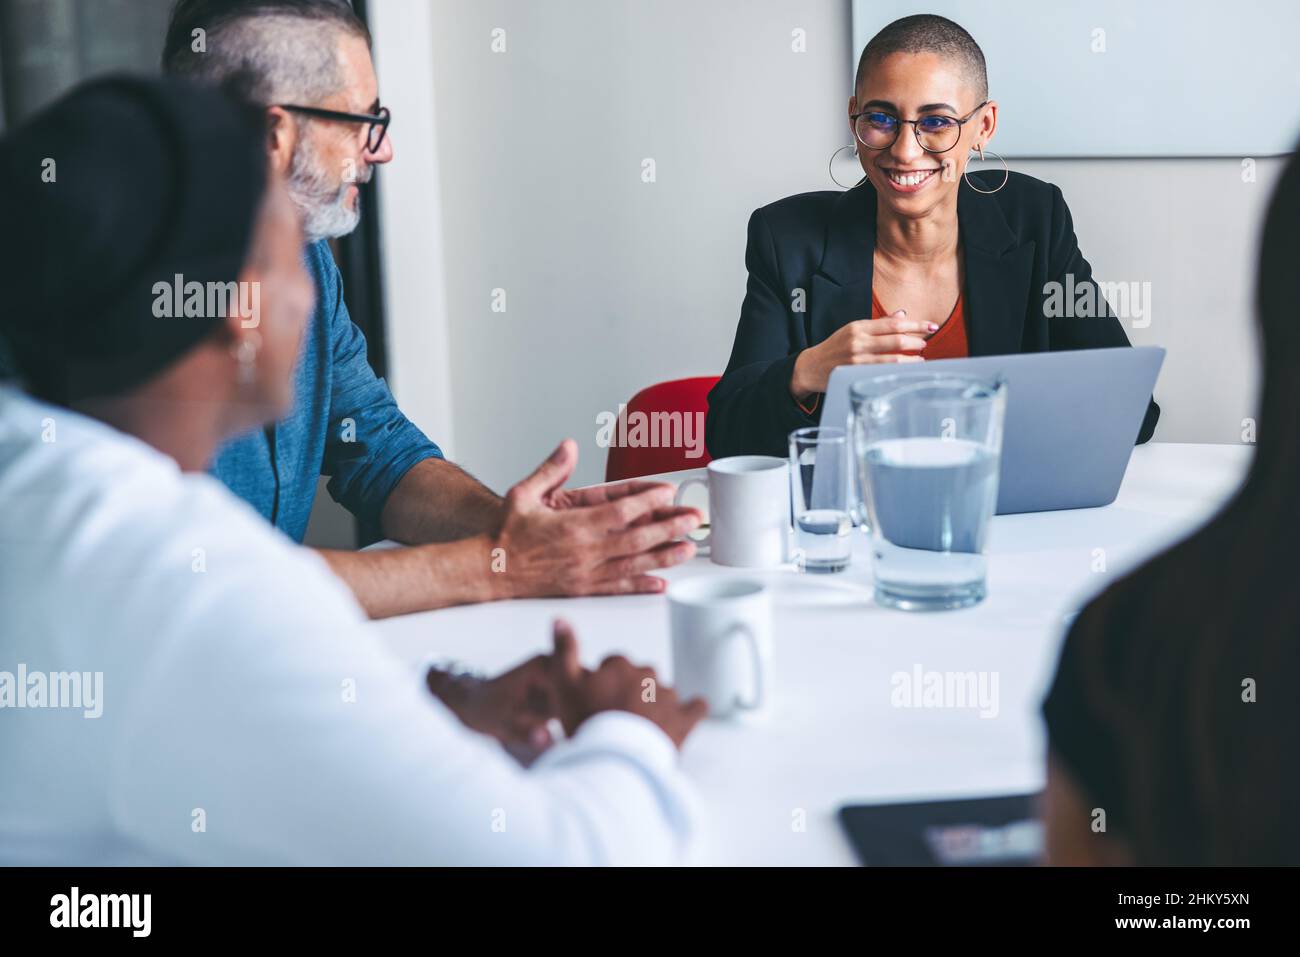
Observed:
{"x":835,"y":736}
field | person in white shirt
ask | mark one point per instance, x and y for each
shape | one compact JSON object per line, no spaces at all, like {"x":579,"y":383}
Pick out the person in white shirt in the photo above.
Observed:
{"x":180,"y":683}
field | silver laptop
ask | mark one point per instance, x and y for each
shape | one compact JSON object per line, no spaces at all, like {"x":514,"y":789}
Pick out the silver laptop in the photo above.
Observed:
{"x":1072,"y":418}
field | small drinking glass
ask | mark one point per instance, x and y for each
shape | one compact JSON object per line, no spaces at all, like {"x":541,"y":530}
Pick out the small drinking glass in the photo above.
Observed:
{"x":819,"y":499}
{"x":928,"y":452}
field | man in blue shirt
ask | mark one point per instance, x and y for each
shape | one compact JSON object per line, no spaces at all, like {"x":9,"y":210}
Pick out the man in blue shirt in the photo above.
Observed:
{"x":344,"y":423}
{"x":308,"y":62}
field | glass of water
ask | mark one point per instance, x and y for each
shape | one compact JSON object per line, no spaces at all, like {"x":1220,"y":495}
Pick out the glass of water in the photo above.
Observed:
{"x":819,"y":499}
{"x":928,"y":452}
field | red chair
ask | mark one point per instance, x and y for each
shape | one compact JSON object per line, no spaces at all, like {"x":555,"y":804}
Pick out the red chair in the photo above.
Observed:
{"x":649,"y":438}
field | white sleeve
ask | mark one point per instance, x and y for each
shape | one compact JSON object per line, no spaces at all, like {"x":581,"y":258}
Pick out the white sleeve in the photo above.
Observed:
{"x":273,"y":728}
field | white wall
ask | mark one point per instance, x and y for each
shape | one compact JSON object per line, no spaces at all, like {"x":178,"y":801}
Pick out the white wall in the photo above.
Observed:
{"x":612,"y":284}
{"x":410,"y":209}
{"x":1133,"y":59}
{"x":1190,"y":228}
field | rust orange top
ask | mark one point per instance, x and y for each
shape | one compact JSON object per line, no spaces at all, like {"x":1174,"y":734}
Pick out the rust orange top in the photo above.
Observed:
{"x":950,"y":340}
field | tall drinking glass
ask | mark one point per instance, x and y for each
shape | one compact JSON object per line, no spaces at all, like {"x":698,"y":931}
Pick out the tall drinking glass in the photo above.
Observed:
{"x":819,"y":499}
{"x":928,"y":451}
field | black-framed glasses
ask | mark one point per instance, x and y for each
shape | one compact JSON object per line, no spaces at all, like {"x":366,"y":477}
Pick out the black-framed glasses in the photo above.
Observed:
{"x":378,"y":121}
{"x":935,"y":132}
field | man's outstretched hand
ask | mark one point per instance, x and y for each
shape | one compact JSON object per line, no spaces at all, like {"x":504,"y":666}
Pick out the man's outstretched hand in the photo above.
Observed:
{"x":594,"y":541}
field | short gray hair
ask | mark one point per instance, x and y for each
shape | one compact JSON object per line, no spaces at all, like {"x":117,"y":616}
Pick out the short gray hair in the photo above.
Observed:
{"x":266,"y":51}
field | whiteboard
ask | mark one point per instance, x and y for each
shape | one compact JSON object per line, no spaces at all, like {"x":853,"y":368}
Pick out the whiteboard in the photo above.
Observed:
{"x":1129,"y":77}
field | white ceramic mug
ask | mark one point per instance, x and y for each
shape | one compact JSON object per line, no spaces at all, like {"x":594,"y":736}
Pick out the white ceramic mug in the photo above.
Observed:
{"x":749,"y":510}
{"x":722,"y":644}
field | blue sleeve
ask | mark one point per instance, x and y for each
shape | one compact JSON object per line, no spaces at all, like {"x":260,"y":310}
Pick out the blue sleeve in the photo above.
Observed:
{"x":369,"y":444}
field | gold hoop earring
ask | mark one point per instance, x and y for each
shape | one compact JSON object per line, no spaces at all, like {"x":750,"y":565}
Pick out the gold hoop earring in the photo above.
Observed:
{"x":830,"y":167}
{"x":1006,"y":173}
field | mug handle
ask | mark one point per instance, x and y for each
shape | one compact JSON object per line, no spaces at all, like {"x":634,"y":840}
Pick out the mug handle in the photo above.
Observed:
{"x":677,"y":500}
{"x":745,"y":632}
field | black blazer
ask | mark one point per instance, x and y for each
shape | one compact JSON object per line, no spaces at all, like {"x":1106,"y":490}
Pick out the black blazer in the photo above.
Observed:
{"x":1015,"y":241}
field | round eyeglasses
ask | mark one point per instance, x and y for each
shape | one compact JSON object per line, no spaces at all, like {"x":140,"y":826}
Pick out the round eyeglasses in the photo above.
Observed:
{"x":935,"y":132}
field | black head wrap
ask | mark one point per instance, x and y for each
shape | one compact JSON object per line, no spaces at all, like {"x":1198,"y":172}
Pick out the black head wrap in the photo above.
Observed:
{"x":122,"y":185}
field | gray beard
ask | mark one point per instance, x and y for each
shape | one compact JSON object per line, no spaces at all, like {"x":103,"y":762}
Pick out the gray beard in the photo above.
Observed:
{"x":321,"y":203}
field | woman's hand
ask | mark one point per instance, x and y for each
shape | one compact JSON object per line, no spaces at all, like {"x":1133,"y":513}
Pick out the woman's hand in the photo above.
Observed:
{"x":617,"y":685}
{"x":514,"y":707}
{"x":517,"y":706}
{"x":892,"y":338}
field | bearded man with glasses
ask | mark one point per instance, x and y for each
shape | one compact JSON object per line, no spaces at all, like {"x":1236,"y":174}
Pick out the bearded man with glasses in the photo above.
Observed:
{"x":307,"y":63}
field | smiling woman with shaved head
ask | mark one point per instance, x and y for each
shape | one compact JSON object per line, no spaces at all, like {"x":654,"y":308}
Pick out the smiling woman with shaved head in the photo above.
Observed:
{"x":922,"y":259}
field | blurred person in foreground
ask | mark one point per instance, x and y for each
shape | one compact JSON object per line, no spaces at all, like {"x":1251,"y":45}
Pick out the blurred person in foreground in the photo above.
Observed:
{"x":1174,"y":708}
{"x":179,"y":683}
